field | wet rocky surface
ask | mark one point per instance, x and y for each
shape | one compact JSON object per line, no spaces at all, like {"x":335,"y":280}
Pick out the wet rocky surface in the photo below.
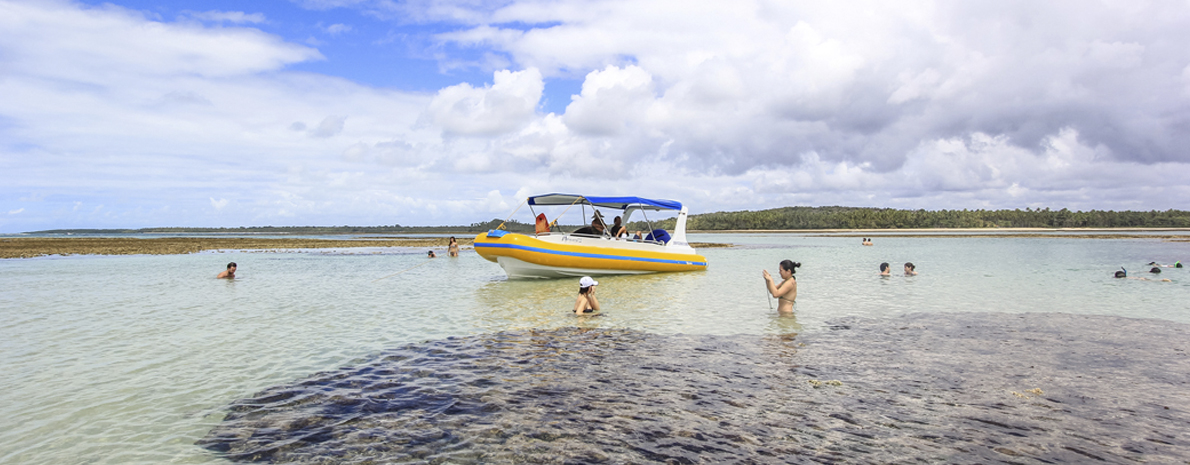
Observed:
{"x":953,"y":388}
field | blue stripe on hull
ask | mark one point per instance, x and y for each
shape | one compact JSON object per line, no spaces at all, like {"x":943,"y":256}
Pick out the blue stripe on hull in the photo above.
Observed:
{"x":588,"y":255}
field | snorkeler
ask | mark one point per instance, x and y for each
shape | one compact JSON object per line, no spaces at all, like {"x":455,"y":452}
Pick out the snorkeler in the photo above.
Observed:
{"x":786,"y":292}
{"x":586,"y":301}
{"x":884,"y":269}
{"x":910,"y":270}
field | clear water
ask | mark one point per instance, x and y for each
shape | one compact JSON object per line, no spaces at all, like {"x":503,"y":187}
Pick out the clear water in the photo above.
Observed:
{"x":132,"y":359}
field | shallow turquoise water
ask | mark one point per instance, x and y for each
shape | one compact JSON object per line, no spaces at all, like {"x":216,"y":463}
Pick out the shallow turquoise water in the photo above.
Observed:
{"x":131,"y":359}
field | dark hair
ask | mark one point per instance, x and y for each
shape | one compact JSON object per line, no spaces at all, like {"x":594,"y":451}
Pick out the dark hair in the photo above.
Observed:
{"x":883,"y":266}
{"x":1121,"y":274}
{"x":452,"y":239}
{"x":583,"y":290}
{"x":230,"y":265}
{"x":910,"y":266}
{"x":1155,"y":270}
{"x":790,"y":265}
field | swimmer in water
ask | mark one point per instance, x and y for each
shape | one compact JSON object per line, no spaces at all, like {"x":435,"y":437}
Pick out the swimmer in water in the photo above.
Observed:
{"x":430,"y":254}
{"x":884,"y":269}
{"x":786,"y":292}
{"x":586,"y":301}
{"x":230,"y":272}
{"x":910,"y":270}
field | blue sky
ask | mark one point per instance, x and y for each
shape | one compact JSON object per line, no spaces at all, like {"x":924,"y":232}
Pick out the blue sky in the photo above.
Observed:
{"x":134,"y":114}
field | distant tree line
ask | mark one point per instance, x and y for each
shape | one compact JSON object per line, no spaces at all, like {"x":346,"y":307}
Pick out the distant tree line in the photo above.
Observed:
{"x":776,"y":218}
{"x":888,"y":218}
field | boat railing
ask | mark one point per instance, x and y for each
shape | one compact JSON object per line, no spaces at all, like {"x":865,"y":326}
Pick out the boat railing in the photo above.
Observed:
{"x":594,"y":236}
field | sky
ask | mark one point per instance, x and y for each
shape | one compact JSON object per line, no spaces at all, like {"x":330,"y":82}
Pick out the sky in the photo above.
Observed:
{"x":146,"y":113}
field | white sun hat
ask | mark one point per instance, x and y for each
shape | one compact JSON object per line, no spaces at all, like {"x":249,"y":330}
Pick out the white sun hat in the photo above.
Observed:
{"x":586,"y":281}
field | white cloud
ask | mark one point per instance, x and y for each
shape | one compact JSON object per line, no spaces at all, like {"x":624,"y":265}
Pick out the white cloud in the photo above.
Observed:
{"x":337,"y":28}
{"x":507,"y":104}
{"x":330,"y":126}
{"x":611,"y":100}
{"x":237,"y":17}
{"x":742,"y":105}
{"x":14,"y":212}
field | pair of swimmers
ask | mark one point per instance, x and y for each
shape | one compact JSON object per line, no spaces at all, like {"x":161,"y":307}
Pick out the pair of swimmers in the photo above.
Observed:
{"x":910,"y":269}
{"x":1123,"y":273}
{"x":452,"y":249}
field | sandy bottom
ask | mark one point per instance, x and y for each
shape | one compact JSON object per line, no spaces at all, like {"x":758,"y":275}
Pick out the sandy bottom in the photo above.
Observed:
{"x":947,"y":388}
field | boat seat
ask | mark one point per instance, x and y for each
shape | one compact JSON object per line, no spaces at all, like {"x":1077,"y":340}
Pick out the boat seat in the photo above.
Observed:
{"x":658,"y":235}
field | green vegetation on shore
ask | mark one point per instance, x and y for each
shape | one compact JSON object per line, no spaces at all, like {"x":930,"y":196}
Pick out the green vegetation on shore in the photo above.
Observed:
{"x":776,"y":218}
{"x":888,"y":218}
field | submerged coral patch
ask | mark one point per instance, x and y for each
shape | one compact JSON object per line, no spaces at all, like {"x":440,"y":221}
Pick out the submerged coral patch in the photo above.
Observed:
{"x":953,"y":388}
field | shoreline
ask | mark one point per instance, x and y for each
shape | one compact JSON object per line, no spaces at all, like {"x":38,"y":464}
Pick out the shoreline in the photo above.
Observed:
{"x":32,"y":247}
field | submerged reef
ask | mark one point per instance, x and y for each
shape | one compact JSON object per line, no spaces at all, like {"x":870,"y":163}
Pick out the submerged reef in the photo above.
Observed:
{"x":991,"y":388}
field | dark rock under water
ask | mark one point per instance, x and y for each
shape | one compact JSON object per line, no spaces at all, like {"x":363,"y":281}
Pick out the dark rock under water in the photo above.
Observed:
{"x":954,"y":388}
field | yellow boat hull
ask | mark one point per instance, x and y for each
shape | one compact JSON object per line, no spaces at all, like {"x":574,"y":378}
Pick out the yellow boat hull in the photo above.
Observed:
{"x":524,"y":256}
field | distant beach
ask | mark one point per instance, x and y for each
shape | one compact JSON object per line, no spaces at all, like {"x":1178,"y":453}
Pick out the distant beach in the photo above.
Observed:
{"x":29,"y":247}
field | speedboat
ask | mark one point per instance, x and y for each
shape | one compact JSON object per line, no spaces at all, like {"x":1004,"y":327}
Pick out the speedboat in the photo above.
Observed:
{"x":551,"y":252}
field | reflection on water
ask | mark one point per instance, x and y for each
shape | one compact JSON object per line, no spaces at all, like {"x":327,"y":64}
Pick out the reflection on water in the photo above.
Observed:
{"x":964,"y":388}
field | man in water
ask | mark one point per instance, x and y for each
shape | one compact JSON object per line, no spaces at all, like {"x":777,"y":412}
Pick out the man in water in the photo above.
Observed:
{"x":430,"y":254}
{"x":230,"y":272}
{"x":884,"y":269}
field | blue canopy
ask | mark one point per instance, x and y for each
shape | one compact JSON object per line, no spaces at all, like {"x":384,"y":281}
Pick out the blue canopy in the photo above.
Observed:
{"x":618,"y":203}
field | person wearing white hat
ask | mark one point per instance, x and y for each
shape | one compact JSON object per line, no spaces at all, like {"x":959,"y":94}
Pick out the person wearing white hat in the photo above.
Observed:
{"x":586,"y":301}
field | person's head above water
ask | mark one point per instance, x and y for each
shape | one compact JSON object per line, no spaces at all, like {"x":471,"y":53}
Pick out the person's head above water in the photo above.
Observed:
{"x":231,"y":265}
{"x":1155,"y":270}
{"x":585,"y":283}
{"x":1122,"y":273}
{"x":790,"y":266}
{"x":909,"y":266}
{"x":884,"y":267}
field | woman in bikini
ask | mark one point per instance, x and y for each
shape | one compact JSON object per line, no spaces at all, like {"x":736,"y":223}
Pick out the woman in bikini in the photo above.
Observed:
{"x":786,"y":292}
{"x":452,"y":249}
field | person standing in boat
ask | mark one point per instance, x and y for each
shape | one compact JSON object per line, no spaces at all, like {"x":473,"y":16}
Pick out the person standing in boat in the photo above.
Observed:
{"x":786,"y":292}
{"x":586,"y":301}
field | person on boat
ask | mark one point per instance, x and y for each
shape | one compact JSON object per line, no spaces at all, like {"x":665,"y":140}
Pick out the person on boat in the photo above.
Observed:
{"x":230,"y":272}
{"x":595,"y":229}
{"x":618,"y":230}
{"x":910,"y":270}
{"x":452,"y":250}
{"x":638,"y":236}
{"x":884,"y":269}
{"x":786,"y":292}
{"x":586,"y":301}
